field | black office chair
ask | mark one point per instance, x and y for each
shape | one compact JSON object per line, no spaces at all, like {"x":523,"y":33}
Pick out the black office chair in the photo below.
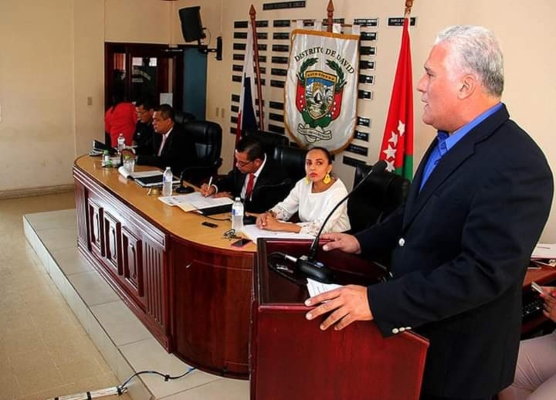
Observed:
{"x":376,"y":198}
{"x":269,"y":139}
{"x":207,"y":137}
{"x":292,"y":159}
{"x":182,"y":117}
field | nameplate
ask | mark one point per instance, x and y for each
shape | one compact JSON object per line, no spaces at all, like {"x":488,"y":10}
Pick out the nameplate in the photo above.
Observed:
{"x":362,"y":121}
{"x":370,"y":36}
{"x":364,"y":136}
{"x":367,"y":79}
{"x":364,"y":94}
{"x":281,"y":36}
{"x":366,"y":21}
{"x":281,"y":23}
{"x":366,"y":64}
{"x":284,"y":4}
{"x":276,"y":105}
{"x":353,"y":161}
{"x":398,"y":21}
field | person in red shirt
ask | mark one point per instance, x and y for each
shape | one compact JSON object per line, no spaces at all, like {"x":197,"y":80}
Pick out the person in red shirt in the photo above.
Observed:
{"x":120,"y":118}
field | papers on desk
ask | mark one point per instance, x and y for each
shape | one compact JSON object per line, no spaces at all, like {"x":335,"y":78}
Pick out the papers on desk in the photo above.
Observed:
{"x":133,"y":175}
{"x":315,"y":287}
{"x":544,"y":255}
{"x":254,"y":233}
{"x":194,"y":201}
{"x":544,"y":250}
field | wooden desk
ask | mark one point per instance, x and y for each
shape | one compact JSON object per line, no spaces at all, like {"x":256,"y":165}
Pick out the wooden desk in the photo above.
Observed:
{"x":185,"y":282}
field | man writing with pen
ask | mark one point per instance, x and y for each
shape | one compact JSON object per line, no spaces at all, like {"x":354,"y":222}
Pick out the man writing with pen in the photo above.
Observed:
{"x":256,"y":178}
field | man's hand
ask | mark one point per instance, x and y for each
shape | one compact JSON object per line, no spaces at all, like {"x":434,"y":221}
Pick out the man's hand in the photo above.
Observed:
{"x":223,"y":194}
{"x":342,"y":241}
{"x":549,"y":302}
{"x":207,"y":190}
{"x":345,"y":305}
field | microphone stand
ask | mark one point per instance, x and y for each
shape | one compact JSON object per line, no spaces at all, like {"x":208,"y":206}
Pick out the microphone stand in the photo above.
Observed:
{"x":308,"y":264}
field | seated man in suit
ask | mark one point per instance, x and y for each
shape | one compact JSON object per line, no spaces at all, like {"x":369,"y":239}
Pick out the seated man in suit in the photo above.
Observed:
{"x":256,"y":178}
{"x":173,"y":147}
{"x":144,"y":135}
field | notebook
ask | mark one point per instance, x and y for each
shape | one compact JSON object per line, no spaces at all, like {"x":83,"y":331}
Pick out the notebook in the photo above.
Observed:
{"x":216,"y":209}
{"x":145,"y":178}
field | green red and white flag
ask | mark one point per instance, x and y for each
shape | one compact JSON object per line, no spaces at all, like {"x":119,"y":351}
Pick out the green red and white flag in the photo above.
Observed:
{"x":397,"y":142}
{"x":321,"y":88}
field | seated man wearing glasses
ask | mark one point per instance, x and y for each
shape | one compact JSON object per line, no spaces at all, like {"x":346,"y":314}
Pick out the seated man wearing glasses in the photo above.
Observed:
{"x":256,"y":178}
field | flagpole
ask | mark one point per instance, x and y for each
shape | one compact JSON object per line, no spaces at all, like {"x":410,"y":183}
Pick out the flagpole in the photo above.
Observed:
{"x":408,"y":6}
{"x":253,"y":15}
{"x":330,"y":15}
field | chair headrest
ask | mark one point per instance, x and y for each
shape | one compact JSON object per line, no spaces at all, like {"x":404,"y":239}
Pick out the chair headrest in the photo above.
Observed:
{"x":292,"y":159}
{"x":182,"y":117}
{"x":385,"y":190}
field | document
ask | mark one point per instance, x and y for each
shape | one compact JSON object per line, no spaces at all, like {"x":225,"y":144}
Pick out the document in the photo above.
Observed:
{"x":544,"y":250}
{"x":315,"y":287}
{"x":254,"y":233}
{"x":133,"y":175}
{"x":195,"y":201}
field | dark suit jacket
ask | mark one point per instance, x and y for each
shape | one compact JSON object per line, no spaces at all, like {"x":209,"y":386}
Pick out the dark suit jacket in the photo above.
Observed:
{"x":272,"y":186}
{"x":460,"y":252}
{"x":178,"y":152}
{"x":144,"y":136}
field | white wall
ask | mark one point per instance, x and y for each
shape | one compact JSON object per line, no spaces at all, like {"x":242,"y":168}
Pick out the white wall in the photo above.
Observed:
{"x":52,"y":62}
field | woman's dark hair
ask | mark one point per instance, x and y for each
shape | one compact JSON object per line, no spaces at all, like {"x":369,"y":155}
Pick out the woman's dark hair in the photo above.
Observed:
{"x":325,"y":151}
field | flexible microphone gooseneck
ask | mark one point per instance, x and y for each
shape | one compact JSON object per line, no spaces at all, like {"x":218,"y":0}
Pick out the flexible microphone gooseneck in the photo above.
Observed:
{"x":308,"y":264}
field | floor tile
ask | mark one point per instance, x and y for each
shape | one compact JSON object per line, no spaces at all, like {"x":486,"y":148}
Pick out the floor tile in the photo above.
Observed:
{"x":120,"y":323}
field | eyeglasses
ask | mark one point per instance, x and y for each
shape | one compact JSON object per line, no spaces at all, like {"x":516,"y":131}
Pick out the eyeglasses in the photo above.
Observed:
{"x":243,"y":163}
{"x":230,"y":234}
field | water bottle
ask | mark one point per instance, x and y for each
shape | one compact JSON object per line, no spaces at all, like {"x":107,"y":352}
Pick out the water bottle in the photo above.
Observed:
{"x":167,"y":179}
{"x":106,"y":162}
{"x":237,"y":215}
{"x":121,"y":143}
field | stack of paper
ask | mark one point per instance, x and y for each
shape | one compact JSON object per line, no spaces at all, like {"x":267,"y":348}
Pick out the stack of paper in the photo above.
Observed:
{"x":544,"y":255}
{"x":194,"y":201}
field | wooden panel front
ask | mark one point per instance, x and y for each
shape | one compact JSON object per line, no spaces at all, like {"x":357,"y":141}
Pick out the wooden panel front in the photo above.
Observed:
{"x":112,"y":238}
{"x":132,"y":261}
{"x":95,"y":214}
{"x":202,"y":312}
{"x":291,"y":358}
{"x":212,"y":297}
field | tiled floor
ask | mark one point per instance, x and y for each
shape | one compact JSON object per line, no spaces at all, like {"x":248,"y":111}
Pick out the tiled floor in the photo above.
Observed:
{"x":55,"y":309}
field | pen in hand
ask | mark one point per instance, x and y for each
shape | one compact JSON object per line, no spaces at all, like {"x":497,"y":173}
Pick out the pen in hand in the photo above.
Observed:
{"x":208,"y":188}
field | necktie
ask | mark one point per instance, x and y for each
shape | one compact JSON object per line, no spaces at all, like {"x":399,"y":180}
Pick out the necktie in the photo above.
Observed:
{"x":161,"y":145}
{"x":250,"y":184}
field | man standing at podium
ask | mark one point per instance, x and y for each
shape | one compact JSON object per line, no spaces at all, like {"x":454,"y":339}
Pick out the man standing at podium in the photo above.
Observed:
{"x":460,"y":245}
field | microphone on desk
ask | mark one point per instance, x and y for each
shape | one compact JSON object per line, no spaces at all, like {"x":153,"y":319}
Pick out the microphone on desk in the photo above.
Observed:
{"x":307,"y":264}
{"x":182,"y":188}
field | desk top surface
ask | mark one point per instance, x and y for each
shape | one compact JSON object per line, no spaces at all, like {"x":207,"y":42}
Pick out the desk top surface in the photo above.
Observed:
{"x":185,"y":225}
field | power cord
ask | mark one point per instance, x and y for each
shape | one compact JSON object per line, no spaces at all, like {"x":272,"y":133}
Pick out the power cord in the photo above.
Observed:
{"x":117,"y":390}
{"x":166,"y":377}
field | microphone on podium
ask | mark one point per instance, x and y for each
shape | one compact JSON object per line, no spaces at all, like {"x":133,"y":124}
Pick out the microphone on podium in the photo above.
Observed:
{"x":307,"y":264}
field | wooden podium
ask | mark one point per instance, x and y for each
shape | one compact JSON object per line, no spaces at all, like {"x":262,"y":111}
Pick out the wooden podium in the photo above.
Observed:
{"x":291,"y":358}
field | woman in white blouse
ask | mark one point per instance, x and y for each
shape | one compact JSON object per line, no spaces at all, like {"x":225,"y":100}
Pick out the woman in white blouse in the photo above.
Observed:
{"x":313,"y":197}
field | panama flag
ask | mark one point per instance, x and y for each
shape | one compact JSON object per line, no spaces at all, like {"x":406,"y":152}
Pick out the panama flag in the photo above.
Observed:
{"x":397,"y":142}
{"x":246,"y":119}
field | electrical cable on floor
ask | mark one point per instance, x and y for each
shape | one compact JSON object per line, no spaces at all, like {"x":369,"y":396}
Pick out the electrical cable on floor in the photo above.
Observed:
{"x":118,"y":390}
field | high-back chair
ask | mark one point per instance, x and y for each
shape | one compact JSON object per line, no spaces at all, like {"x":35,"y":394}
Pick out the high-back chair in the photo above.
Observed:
{"x":292,"y":159}
{"x":377,"y":197}
{"x":269,"y":140}
{"x":207,"y":137}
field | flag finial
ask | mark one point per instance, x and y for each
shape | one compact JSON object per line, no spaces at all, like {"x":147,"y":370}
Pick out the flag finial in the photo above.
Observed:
{"x":408,"y":6}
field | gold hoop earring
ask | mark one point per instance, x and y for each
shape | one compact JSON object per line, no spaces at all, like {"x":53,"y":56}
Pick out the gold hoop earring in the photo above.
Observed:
{"x":307,"y":181}
{"x":327,"y":178}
